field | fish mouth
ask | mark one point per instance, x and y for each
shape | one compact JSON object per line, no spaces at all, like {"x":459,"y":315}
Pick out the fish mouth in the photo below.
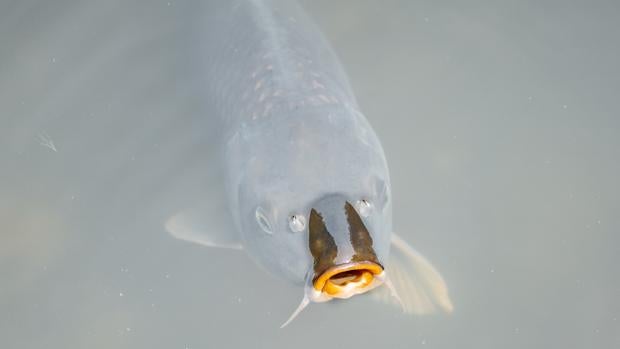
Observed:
{"x":346,"y":280}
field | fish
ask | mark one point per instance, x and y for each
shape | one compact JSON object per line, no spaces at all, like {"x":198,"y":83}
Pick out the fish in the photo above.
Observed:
{"x":305,"y":177}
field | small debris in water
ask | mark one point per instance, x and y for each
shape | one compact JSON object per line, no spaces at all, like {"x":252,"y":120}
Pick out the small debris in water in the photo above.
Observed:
{"x":46,"y":141}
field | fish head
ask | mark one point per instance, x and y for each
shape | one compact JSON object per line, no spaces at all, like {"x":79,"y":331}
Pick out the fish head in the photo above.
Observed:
{"x":265,"y":215}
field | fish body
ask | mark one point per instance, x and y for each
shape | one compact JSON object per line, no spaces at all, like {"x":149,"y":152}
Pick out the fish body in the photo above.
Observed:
{"x":306,"y":177}
{"x":293,"y":130}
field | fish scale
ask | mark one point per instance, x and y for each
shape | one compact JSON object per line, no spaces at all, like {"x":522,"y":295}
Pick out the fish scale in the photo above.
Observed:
{"x":269,"y":53}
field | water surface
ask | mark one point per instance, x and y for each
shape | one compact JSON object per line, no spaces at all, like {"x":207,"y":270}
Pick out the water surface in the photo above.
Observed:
{"x":501,"y":126}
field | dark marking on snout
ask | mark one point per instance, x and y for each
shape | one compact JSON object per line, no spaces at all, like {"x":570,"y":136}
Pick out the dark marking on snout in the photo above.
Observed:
{"x":360,"y":237}
{"x":322,"y":244}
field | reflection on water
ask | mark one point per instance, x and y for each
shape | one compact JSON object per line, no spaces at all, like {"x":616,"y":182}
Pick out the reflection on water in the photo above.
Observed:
{"x":500,"y":126}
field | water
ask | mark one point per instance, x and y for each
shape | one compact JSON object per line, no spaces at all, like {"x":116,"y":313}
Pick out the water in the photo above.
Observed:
{"x":501,"y":127}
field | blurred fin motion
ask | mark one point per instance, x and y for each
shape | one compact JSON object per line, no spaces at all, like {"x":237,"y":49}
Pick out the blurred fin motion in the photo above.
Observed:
{"x":413,"y":283}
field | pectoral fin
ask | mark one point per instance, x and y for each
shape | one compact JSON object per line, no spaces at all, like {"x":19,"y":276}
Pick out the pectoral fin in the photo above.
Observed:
{"x":413,"y":283}
{"x":204,"y":227}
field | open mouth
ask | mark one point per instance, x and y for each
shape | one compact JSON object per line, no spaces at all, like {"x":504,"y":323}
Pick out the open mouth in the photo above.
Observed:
{"x":346,"y":280}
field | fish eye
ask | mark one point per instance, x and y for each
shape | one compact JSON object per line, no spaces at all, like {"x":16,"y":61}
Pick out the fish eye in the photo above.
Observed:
{"x":364,"y":207}
{"x":297,"y":223}
{"x":262,"y":220}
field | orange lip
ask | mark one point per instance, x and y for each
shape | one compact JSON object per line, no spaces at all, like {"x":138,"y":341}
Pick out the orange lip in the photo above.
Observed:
{"x":359,"y":274}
